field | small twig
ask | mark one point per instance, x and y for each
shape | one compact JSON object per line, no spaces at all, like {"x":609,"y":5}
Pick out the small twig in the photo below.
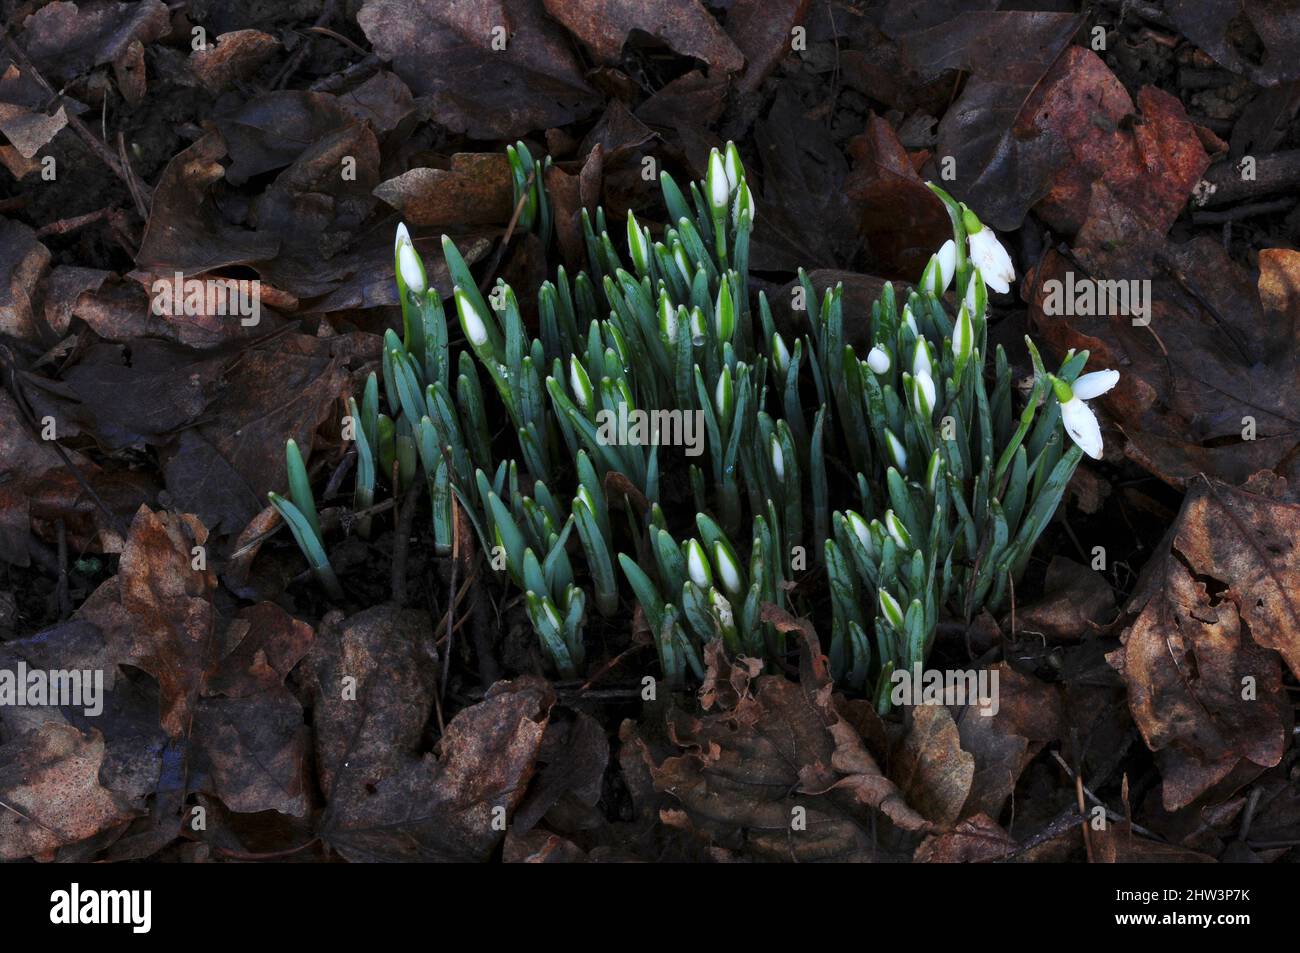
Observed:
{"x":509,"y":232}
{"x":1243,"y":211}
{"x":1055,"y":828}
{"x":300,"y":53}
{"x":329,"y":519}
{"x":326,"y":31}
{"x":451,"y":601}
{"x":65,"y":225}
{"x":140,"y":193}
{"x":61,"y":589}
{"x":1110,"y":815}
{"x":402,"y":541}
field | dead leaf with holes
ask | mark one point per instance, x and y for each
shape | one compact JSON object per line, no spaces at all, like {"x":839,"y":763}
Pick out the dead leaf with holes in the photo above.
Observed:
{"x":1201,"y":658}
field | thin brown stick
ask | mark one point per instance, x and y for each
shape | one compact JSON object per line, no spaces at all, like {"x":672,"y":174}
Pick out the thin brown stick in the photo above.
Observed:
{"x":65,"y":225}
{"x":299,"y":54}
{"x":509,"y":232}
{"x":402,"y":542}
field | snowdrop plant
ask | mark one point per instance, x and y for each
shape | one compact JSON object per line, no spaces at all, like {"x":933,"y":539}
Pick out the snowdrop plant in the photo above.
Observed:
{"x":953,"y":478}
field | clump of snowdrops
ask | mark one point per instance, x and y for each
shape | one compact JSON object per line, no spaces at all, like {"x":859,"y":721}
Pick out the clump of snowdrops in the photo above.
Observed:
{"x":954,"y":476}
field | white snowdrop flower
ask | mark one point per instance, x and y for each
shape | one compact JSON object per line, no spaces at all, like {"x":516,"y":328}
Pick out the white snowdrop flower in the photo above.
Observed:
{"x":728,"y":568}
{"x":878,"y":360}
{"x":471,"y":321}
{"x":778,"y":458}
{"x":580,"y":384}
{"x":988,"y":255}
{"x":860,"y":529}
{"x":1079,"y":420}
{"x":722,"y":396}
{"x":697,"y":564}
{"x":408,"y":261}
{"x":932,"y":473}
{"x":733,"y":167}
{"x":923,"y":395}
{"x":939,"y":272}
{"x":744,"y":203}
{"x":722,"y":608}
{"x":891,"y":610}
{"x":637,"y":244}
{"x":897,"y":531}
{"x":780,"y":353}
{"x":921,"y":364}
{"x":909,"y":320}
{"x":716,"y":180}
{"x":667,"y":318}
{"x":963,"y":336}
{"x":896,"y":451}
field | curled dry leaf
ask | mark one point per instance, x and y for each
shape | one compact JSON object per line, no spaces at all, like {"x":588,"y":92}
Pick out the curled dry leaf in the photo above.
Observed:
{"x":374,"y":683}
{"x":66,"y":40}
{"x":474,"y":191}
{"x":1147,"y":167}
{"x":28,"y":131}
{"x":1201,"y":657}
{"x":23,"y":262}
{"x":774,"y":770}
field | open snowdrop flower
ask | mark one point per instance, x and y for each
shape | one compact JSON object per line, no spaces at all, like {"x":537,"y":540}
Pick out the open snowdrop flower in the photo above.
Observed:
{"x":988,"y":255}
{"x":1080,"y":422}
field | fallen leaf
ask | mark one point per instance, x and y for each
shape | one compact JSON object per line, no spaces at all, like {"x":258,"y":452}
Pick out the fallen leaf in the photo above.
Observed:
{"x":65,"y":39}
{"x":930,"y":767}
{"x":23,"y":263}
{"x":763,"y":30}
{"x":976,"y":839}
{"x":387,"y":799}
{"x":1234,"y":31}
{"x":50,"y":792}
{"x":1001,"y":168}
{"x":1076,"y":602}
{"x":446,"y":52}
{"x":684,"y":25}
{"x":903,"y":222}
{"x":476,"y":190}
{"x":235,"y":56}
{"x":1204,"y":682}
{"x":774,"y":771}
